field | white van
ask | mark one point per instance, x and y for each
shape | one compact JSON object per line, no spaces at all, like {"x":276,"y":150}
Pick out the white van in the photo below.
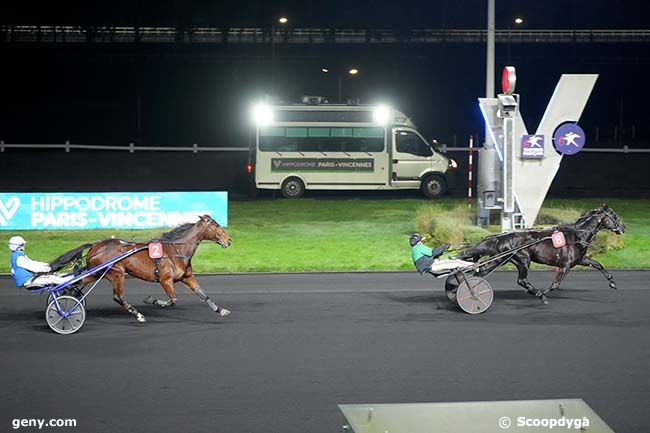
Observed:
{"x":343,"y":147}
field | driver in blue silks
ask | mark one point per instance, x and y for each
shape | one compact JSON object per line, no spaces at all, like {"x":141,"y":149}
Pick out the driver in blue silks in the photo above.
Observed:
{"x":30,"y":273}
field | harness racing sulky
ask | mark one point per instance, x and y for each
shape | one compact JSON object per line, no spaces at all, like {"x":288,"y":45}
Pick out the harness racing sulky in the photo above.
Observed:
{"x":166,"y":260}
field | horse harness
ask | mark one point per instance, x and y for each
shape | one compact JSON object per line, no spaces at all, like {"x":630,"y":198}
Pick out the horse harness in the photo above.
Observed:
{"x":156,"y":261}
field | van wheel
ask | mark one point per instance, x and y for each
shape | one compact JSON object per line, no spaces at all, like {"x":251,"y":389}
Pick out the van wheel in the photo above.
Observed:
{"x":433,"y":186}
{"x":293,"y":188}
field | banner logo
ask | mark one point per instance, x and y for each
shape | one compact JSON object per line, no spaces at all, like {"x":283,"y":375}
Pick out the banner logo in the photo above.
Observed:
{"x":322,"y":164}
{"x":8,"y":209}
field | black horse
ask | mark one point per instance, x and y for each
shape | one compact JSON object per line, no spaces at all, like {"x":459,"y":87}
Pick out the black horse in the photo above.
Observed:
{"x":578,"y":236}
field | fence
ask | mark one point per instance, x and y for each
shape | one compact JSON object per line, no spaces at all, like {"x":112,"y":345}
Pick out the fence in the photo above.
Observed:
{"x":71,"y":167}
{"x":132,"y":148}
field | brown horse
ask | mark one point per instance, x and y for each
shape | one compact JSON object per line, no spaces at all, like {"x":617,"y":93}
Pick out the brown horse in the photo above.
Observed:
{"x":178,"y":247}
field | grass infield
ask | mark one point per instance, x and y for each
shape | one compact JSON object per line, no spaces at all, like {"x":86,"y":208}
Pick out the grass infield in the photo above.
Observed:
{"x":330,"y":235}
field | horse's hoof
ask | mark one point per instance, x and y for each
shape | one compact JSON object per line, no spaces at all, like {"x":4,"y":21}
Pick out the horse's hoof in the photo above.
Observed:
{"x":544,"y":299}
{"x":140,"y":318}
{"x":223,"y":312}
{"x":613,"y":285}
{"x":148,"y":300}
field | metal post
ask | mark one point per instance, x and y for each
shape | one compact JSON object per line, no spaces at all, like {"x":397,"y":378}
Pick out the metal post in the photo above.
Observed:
{"x":487,"y":158}
{"x":470,"y":169}
{"x":489,"y":72}
{"x":273,"y":59}
{"x":340,"y":88}
{"x":508,"y":183}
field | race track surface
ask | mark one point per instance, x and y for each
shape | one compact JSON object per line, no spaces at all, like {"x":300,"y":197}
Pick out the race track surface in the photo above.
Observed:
{"x":298,"y":345}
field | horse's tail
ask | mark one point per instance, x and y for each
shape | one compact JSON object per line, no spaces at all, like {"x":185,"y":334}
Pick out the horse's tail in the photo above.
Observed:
{"x":71,"y":256}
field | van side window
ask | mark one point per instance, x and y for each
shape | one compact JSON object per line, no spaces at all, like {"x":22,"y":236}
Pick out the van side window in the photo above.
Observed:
{"x":321,"y":139}
{"x":410,"y":142}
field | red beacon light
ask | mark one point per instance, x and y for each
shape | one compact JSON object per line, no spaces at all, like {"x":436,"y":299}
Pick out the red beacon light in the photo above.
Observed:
{"x":249,"y":168}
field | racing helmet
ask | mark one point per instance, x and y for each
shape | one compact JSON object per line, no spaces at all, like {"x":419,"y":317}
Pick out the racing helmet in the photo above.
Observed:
{"x":415,"y":238}
{"x":17,"y":243}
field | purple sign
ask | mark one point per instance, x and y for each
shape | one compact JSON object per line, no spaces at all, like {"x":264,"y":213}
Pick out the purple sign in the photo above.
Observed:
{"x":532,"y":146}
{"x":569,"y":138}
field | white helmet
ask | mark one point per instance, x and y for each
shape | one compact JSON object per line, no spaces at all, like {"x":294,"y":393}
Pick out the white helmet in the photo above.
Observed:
{"x":17,"y":243}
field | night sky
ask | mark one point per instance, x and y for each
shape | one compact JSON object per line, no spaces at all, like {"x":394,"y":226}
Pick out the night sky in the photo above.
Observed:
{"x":179,"y":94}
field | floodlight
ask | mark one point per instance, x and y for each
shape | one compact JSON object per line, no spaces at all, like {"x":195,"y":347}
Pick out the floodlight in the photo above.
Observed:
{"x":262,"y":114}
{"x":381,"y":115}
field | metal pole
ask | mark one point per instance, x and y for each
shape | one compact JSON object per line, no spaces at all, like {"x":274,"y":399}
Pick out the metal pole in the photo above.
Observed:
{"x":273,"y":59}
{"x":507,"y":222}
{"x":340,"y":77}
{"x":470,"y":169}
{"x":487,"y":158}
{"x":489,"y":72}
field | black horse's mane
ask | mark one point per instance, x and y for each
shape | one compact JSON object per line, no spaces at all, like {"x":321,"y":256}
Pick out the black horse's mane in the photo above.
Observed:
{"x":176,"y":233}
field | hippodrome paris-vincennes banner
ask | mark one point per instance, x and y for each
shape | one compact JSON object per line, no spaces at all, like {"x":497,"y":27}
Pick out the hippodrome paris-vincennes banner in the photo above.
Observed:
{"x":118,"y":210}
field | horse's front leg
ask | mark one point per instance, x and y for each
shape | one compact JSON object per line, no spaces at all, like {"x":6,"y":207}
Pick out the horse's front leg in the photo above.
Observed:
{"x":587,"y":261}
{"x":168,"y":286}
{"x":194,"y":286}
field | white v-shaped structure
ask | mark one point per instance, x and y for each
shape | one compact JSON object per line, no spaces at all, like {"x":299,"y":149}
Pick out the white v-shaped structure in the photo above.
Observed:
{"x":533,"y":177}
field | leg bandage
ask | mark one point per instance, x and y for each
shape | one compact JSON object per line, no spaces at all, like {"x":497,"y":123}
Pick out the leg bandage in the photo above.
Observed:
{"x":201,"y":294}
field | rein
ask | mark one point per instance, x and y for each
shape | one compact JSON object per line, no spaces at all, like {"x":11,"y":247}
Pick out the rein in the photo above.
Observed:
{"x":509,"y":253}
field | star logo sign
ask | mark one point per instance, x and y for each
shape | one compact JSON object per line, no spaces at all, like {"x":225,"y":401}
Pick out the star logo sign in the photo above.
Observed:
{"x":569,"y":139}
{"x":534,"y":140}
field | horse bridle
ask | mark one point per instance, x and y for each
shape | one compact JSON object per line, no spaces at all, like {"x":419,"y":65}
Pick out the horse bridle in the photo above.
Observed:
{"x":593,"y":234}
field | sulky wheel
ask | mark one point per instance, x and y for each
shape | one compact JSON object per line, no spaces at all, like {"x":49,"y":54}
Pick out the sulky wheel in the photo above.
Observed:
{"x":474,"y":295}
{"x":451,"y":286}
{"x":71,"y":318}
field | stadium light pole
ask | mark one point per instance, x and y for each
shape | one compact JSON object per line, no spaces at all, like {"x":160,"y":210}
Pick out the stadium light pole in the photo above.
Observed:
{"x":489,"y":79}
{"x":282,"y":21}
{"x":351,"y":72}
{"x":489,"y":71}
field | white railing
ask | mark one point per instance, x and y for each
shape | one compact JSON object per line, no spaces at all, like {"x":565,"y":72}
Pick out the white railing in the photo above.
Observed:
{"x":132,"y":148}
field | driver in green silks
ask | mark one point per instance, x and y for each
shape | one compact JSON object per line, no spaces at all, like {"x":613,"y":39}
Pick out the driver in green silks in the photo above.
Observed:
{"x":425,"y":259}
